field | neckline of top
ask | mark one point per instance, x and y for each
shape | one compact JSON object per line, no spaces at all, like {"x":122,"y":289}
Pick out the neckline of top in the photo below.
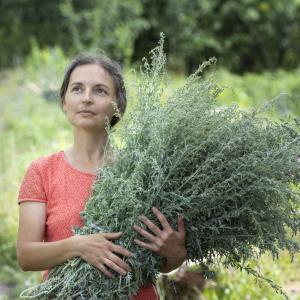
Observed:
{"x":65,"y":159}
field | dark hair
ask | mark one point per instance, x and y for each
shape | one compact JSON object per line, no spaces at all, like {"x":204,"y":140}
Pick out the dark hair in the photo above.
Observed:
{"x":112,"y":67}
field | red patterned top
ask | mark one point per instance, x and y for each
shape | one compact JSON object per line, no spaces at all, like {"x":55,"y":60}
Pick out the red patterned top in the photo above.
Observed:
{"x":64,"y":189}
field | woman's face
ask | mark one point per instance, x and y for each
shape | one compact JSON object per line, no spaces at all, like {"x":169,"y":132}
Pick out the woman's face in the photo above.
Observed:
{"x":89,"y":96}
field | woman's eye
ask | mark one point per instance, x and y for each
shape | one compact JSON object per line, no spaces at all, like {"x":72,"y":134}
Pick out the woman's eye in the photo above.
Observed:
{"x":101,"y":92}
{"x":76,"y":89}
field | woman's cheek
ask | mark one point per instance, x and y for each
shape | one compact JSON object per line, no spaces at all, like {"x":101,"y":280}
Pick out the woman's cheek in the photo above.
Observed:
{"x":109,"y":110}
{"x":72,"y":119}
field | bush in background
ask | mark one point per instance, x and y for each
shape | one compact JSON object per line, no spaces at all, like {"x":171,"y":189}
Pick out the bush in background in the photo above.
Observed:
{"x":245,"y":35}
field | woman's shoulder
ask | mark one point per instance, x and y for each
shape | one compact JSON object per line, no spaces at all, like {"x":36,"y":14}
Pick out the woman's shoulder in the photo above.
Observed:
{"x":46,"y":161}
{"x":37,"y":176}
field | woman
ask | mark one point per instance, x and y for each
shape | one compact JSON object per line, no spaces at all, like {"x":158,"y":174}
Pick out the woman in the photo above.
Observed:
{"x":55,"y":188}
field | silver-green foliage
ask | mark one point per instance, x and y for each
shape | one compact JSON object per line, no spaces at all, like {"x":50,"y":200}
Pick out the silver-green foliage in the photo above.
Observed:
{"x":232,"y":174}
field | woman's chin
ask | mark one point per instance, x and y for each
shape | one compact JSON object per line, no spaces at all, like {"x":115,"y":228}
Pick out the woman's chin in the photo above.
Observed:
{"x":90,"y":126}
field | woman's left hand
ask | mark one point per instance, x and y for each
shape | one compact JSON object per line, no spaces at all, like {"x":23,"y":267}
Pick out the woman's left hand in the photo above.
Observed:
{"x":166,"y":242}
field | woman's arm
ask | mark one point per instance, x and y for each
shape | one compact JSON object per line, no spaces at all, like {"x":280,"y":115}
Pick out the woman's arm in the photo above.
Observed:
{"x":36,"y":255}
{"x":166,"y":242}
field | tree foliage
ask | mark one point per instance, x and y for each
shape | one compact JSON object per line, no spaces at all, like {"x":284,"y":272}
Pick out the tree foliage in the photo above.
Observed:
{"x":109,"y":26}
{"x":246,"y":35}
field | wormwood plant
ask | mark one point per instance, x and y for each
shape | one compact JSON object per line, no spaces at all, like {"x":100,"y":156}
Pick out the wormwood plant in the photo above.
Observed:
{"x":232,"y":174}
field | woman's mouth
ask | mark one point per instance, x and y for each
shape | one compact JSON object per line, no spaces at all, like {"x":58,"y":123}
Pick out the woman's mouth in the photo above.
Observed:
{"x":86,"y":113}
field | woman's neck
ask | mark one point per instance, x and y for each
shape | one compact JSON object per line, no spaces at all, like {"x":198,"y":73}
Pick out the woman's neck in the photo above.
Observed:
{"x":87,"y":152}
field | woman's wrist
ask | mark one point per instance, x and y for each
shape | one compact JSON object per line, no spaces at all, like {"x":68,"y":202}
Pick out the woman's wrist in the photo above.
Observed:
{"x":172,"y":263}
{"x":74,"y":245}
{"x":179,"y":259}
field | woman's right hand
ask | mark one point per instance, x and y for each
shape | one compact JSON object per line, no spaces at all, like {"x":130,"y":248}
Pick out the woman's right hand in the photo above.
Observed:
{"x":98,"y":250}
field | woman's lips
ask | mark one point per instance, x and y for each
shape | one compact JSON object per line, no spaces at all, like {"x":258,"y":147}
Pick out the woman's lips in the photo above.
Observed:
{"x":86,"y":113}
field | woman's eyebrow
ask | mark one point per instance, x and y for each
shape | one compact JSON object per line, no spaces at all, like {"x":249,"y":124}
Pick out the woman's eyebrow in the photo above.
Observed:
{"x":102,"y":85}
{"x":96,"y":85}
{"x":76,"y":83}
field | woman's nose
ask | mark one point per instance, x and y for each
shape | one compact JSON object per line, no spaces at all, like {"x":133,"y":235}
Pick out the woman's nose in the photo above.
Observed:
{"x":87,"y":97}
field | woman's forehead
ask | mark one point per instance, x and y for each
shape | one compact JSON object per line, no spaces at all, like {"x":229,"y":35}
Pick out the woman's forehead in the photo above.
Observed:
{"x":91,"y":74}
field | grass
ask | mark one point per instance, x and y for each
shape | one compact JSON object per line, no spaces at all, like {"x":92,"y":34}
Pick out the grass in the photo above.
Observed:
{"x":31,"y":127}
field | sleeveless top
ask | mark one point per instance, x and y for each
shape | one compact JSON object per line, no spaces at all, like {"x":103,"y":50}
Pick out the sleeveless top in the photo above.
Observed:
{"x":65,"y":190}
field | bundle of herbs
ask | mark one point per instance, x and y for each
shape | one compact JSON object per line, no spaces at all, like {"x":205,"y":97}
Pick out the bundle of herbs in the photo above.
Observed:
{"x":232,"y":174}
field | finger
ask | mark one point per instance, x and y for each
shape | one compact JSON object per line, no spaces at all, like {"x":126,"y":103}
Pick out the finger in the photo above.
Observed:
{"x":162,"y":219}
{"x":118,"y":261}
{"x":150,"y":225}
{"x":120,"y":250}
{"x":181,"y":227}
{"x":114,"y":266}
{"x":104,"y":270}
{"x":144,"y":233}
{"x":112,"y":235}
{"x":146,"y":246}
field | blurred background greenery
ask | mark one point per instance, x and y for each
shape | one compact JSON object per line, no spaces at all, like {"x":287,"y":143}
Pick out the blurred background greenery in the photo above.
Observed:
{"x":245,"y":35}
{"x":258,"y":51}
